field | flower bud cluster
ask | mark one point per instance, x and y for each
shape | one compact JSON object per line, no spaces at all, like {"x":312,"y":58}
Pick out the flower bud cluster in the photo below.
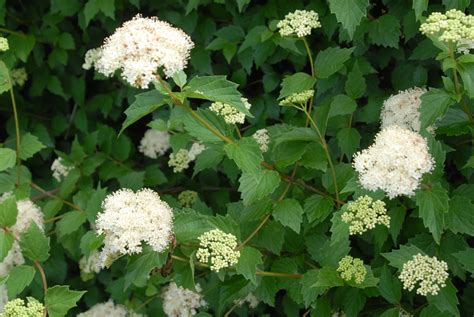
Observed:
{"x":60,"y":170}
{"x":230,"y":114}
{"x":364,"y":214}
{"x":262,"y":138}
{"x":187,"y":198}
{"x":90,"y":265}
{"x":180,"y":160}
{"x":429,"y":272}
{"x":299,"y":23}
{"x":91,"y":58}
{"x":218,"y":248}
{"x":3,"y":44}
{"x":18,"y":308}
{"x":180,"y":302}
{"x":154,"y":143}
{"x":297,"y":98}
{"x":452,"y":27}
{"x":19,"y":76}
{"x":352,"y":269}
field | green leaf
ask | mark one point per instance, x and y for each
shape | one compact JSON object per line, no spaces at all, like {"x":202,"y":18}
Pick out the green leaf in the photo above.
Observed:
{"x":145,"y":103}
{"x":296,"y":83}
{"x":390,"y":287}
{"x":331,"y":60}
{"x":308,"y":290}
{"x":66,"y":41}
{"x":466,"y":70}
{"x":7,"y":159}
{"x":190,"y":225}
{"x":6,"y":242}
{"x":434,"y":104}
{"x":460,"y":218}
{"x":8,"y":212}
{"x":446,"y":301}
{"x":317,"y":208}
{"x":22,"y":45}
{"x":249,"y":259}
{"x":391,"y":312}
{"x":216,"y":88}
{"x":19,"y":278}
{"x":342,"y":105}
{"x":34,"y":244}
{"x":432,"y":204}
{"x":4,"y":78}
{"x":399,"y":257}
{"x":385,"y":31}
{"x":466,"y":258}
{"x":419,"y":6}
{"x":59,"y":300}
{"x":369,"y":281}
{"x":289,"y":213}
{"x":456,"y":4}
{"x":29,"y":146}
{"x":70,"y":222}
{"x":355,"y":84}
{"x":349,"y":13}
{"x":92,"y":7}
{"x":139,"y":267}
{"x":328,"y":277}
{"x":348,"y":140}
{"x":255,"y":186}
{"x":246,"y":154}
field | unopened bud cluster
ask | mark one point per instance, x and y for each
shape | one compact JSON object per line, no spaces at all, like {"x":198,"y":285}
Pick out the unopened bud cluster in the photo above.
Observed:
{"x":452,"y":27}
{"x":187,"y":198}
{"x":230,"y":114}
{"x":3,"y":44}
{"x":429,"y":272}
{"x":299,"y":23}
{"x":297,"y":98}
{"x":18,"y":308}
{"x":180,"y":160}
{"x":364,"y":214}
{"x":262,"y":138}
{"x":218,"y":248}
{"x":352,"y":269}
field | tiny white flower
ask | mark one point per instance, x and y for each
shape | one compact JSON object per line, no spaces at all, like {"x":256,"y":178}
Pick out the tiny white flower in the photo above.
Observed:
{"x":230,"y":114}
{"x":60,"y":170}
{"x":154,"y":143}
{"x":364,"y":214}
{"x":181,"y":302}
{"x":218,"y":248}
{"x":262,"y":138}
{"x":299,"y":23}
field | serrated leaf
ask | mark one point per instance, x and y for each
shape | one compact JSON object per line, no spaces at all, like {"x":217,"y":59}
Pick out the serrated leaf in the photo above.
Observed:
{"x":399,"y":257}
{"x":190,"y":225}
{"x":70,"y":222}
{"x":389,"y":286}
{"x":6,"y":242}
{"x":328,"y":277}
{"x":434,"y":104}
{"x":4,"y":78}
{"x":342,"y":105}
{"x":29,"y":146}
{"x":139,"y":267}
{"x":59,"y":300}
{"x":432,"y":204}
{"x":255,"y":186}
{"x":349,"y":13}
{"x":92,"y":7}
{"x":296,"y":83}
{"x":246,"y":154}
{"x":419,"y":6}
{"x":34,"y":244}
{"x":7,"y":159}
{"x":331,"y":60}
{"x":385,"y":31}
{"x":22,"y":45}
{"x":216,"y":88}
{"x":317,"y":208}
{"x":249,"y":259}
{"x":145,"y":103}
{"x":460,"y":218}
{"x":466,"y":259}
{"x":446,"y":300}
{"x":289,"y":213}
{"x":19,"y":278}
{"x":8,"y":212}
{"x":466,"y":70}
{"x":348,"y":140}
{"x":355,"y":84}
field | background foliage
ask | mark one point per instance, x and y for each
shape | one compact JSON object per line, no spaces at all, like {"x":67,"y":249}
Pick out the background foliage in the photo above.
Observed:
{"x":365,"y":51}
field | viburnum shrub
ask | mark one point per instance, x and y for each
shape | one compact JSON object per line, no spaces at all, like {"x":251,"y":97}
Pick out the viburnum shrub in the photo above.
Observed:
{"x":236,"y":158}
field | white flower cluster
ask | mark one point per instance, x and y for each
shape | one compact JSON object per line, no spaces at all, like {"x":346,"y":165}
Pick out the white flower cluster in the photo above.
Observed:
{"x":3,"y":44}
{"x":154,"y":143}
{"x":430,"y":272}
{"x":262,"y":138}
{"x":90,"y":265}
{"x":299,"y":23}
{"x":297,"y":98}
{"x":403,"y":109}
{"x":19,"y":76}
{"x":180,"y":161}
{"x":465,"y":46}
{"x":129,"y":218}
{"x":352,"y":269}
{"x":218,"y":247}
{"x":187,"y":198}
{"x":60,"y":170}
{"x":109,"y":309}
{"x":19,"y":308}
{"x":364,"y":214}
{"x":395,"y":163}
{"x":453,"y":27}
{"x":140,"y":47}
{"x":230,"y":114}
{"x":181,"y":302}
{"x":250,"y":299}
{"x":91,"y":58}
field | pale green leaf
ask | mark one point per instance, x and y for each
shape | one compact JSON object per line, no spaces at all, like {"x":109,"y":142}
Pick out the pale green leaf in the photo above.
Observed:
{"x":349,"y":13}
{"x":289,"y":213}
{"x":59,"y":300}
{"x":249,"y":259}
{"x":331,"y":60}
{"x":255,"y":186}
{"x":7,"y":159}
